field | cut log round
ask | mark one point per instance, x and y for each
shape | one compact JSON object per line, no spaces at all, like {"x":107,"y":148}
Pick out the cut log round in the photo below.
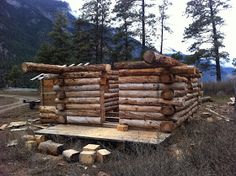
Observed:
{"x":47,"y":109}
{"x":71,"y":155}
{"x":51,"y":147}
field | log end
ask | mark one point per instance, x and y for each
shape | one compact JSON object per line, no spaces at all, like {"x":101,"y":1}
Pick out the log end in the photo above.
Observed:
{"x":149,"y":57}
{"x":168,"y":110}
{"x":24,"y":67}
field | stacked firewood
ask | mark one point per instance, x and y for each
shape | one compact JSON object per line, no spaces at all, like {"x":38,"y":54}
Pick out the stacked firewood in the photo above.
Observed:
{"x":159,"y":92}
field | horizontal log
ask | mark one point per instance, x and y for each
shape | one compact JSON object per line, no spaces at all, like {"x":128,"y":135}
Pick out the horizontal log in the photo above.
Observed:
{"x":165,"y":94}
{"x":47,"y":109}
{"x":84,"y":81}
{"x":166,"y":110}
{"x":82,"y":88}
{"x":180,"y":79}
{"x":151,"y":124}
{"x":139,"y":79}
{"x":141,"y":115}
{"x":111,"y":108}
{"x":48,"y":116}
{"x":111,"y":95}
{"x":183,"y":70}
{"x":153,"y":86}
{"x":179,"y":114}
{"x":79,"y":100}
{"x":113,"y":86}
{"x":113,"y":81}
{"x":83,"y":94}
{"x":151,"y":101}
{"x":113,"y":90}
{"x":180,"y":93}
{"x":112,"y":99}
{"x":160,"y":60}
{"x":187,"y":104}
{"x":142,"y":72}
{"x":112,"y":103}
{"x":82,"y":75}
{"x":132,"y":65}
{"x":83,"y":120}
{"x":83,"y":106}
{"x":60,"y":106}
{"x":197,"y":75}
{"x":186,"y":116}
{"x":113,"y":77}
{"x":89,"y":113}
{"x":47,"y":68}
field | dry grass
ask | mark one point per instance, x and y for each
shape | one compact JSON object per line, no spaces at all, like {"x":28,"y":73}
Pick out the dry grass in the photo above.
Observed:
{"x":221,"y":89}
{"x":7,"y":100}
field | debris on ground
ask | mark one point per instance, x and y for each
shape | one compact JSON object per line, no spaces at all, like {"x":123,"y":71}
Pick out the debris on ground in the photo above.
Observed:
{"x":217,"y":115}
{"x":12,"y":143}
{"x":206,"y":114}
{"x":101,"y":173}
{"x":232,"y":101}
{"x":4,"y":126}
{"x":206,"y":99}
{"x":51,"y":147}
{"x":91,"y":147}
{"x":17,"y":124}
{"x":102,"y":155}
{"x":87,"y":157}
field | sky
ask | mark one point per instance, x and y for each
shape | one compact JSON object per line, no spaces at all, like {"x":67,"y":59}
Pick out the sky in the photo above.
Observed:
{"x":178,"y":22}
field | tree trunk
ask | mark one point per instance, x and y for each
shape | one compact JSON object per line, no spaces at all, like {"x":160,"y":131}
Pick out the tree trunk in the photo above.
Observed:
{"x":162,"y":34}
{"x":126,"y":41}
{"x":216,"y":43}
{"x":143,"y":26}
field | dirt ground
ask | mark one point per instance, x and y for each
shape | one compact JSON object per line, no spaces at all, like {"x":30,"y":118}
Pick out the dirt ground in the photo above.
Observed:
{"x":202,"y":146}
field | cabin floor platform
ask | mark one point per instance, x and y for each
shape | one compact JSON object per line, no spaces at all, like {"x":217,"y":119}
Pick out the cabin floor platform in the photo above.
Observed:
{"x":105,"y":134}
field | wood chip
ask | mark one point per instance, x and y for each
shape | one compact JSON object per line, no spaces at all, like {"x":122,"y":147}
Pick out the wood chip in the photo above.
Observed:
{"x":3,"y":127}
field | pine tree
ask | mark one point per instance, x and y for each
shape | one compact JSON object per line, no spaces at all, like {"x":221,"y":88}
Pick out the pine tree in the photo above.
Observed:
{"x":58,"y":51}
{"x":97,"y":12}
{"x":205,"y":29}
{"x":162,"y":19}
{"x":125,"y":15}
{"x":147,"y":29}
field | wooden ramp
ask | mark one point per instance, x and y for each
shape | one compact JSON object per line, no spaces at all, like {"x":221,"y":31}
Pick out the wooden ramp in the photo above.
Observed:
{"x":106,"y":134}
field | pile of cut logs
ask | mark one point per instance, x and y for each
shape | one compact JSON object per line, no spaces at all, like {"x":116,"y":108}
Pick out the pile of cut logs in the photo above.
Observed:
{"x":159,"y":92}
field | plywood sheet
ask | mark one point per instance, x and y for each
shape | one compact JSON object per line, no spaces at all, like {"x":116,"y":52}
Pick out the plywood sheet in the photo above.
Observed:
{"x":107,"y":134}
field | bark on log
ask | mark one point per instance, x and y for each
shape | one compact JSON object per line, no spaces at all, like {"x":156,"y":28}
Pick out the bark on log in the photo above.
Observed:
{"x":51,"y":147}
{"x":82,"y":88}
{"x":83,"y":94}
{"x":48,"y":116}
{"x":179,"y":114}
{"x":165,"y":94}
{"x":111,"y":95}
{"x":145,"y":79}
{"x":86,"y":113}
{"x":183,"y":70}
{"x":81,"y":75}
{"x":132,"y":65}
{"x":154,"y":86}
{"x":83,"y":120}
{"x":111,"y":99}
{"x":84,"y":81}
{"x":142,"y":72}
{"x":142,"y":123}
{"x":141,"y":115}
{"x":83,"y":107}
{"x":107,"y":109}
{"x":186,"y":116}
{"x":113,"y":90}
{"x":166,"y":110}
{"x":187,"y":104}
{"x":46,"y":68}
{"x":159,"y":60}
{"x":79,"y":100}
{"x":113,"y":103}
{"x":152,"y":101}
{"x":47,"y":109}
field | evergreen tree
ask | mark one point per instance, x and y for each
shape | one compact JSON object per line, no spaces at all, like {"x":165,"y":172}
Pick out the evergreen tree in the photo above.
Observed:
{"x":14,"y":76}
{"x":58,"y":51}
{"x":205,"y":29}
{"x":145,"y":23}
{"x":162,"y":19}
{"x":125,"y":15}
{"x":83,"y":43}
{"x":97,"y":12}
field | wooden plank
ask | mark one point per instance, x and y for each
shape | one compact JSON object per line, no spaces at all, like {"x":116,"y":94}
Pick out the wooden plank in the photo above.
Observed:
{"x":106,"y":134}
